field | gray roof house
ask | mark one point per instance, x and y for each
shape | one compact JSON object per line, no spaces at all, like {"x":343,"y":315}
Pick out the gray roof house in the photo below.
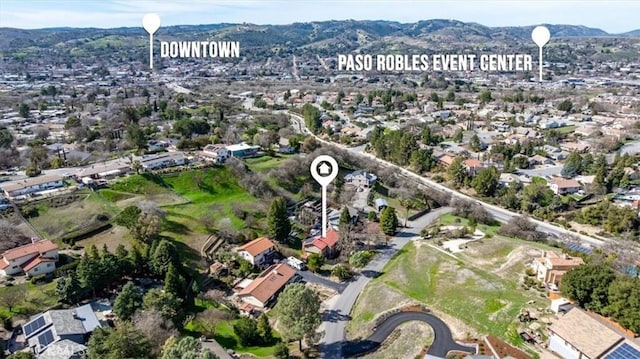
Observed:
{"x":54,"y":329}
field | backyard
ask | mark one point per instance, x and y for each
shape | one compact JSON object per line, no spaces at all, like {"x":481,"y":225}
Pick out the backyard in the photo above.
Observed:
{"x":476,"y":291}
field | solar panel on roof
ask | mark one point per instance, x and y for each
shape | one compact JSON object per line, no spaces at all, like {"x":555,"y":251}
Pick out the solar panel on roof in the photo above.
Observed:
{"x":45,"y":338}
{"x":34,"y":326}
{"x":625,"y":351}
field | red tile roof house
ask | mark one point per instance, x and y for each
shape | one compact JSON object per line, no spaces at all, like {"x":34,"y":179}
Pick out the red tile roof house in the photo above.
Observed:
{"x":327,"y":246}
{"x":31,"y":259}
{"x":473,"y":166}
{"x":262,"y":291}
{"x":258,"y":252}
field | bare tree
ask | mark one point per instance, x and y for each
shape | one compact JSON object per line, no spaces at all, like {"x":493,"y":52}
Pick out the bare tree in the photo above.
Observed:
{"x":151,"y":323}
{"x":11,"y":297}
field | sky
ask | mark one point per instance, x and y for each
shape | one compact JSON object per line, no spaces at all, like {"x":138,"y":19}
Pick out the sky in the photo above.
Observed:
{"x":613,"y":16}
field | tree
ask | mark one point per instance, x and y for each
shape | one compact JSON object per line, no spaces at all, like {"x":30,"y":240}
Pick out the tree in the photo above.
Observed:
{"x":475,"y":143}
{"x":264,"y":329}
{"x":11,"y":297}
{"x":565,"y":105}
{"x":486,"y":181}
{"x":457,"y":137}
{"x":146,"y":228}
{"x":624,"y":302}
{"x":163,"y":256}
{"x":451,"y":96}
{"x":341,"y":272}
{"x":23,"y":110}
{"x":123,"y":342}
{"x":485,"y":96}
{"x":167,"y":304}
{"x":281,"y":351}
{"x":572,"y":165}
{"x":588,"y":285}
{"x":389,"y":221}
{"x":298,"y":310}
{"x":136,"y":137}
{"x":278,"y":224}
{"x":247,"y":331}
{"x":155,"y":327}
{"x":315,"y":262}
{"x":68,"y":288}
{"x":173,"y":282}
{"x":186,"y":348}
{"x":88,"y":272}
{"x":128,"y":301}
{"x":6,"y":138}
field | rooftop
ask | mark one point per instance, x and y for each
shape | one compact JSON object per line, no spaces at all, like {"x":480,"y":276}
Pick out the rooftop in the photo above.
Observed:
{"x":30,"y":249}
{"x":28,"y":182}
{"x":257,"y":246}
{"x":585,"y":333}
{"x":269,"y":282}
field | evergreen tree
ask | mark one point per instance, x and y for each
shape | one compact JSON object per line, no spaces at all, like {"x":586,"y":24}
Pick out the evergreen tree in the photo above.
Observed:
{"x":68,"y":288}
{"x":163,"y":256}
{"x":486,"y":181}
{"x":264,"y":329}
{"x":389,"y":221}
{"x":278,"y":224}
{"x":127,"y":302}
{"x":88,"y":272}
{"x":173,"y":282}
{"x":298,"y":311}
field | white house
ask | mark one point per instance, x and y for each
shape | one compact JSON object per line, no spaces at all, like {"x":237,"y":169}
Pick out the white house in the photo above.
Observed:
{"x":360,"y":179}
{"x":561,"y":186}
{"x":578,"y":335}
{"x":32,"y":185}
{"x":31,"y":259}
{"x":163,"y":160}
{"x":258,"y":252}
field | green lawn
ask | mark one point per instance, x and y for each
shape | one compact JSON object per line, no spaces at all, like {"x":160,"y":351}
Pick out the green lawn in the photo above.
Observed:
{"x":265,"y":163}
{"x":450,"y":219}
{"x":478,"y":288}
{"x":33,"y":299}
{"x":566,"y":129}
{"x":225,"y":335}
{"x":90,"y":210}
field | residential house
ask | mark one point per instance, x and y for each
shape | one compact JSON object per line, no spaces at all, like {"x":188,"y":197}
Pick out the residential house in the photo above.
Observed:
{"x":446,"y":161}
{"x":562,"y":186}
{"x":509,"y":179}
{"x":258,"y":252}
{"x":575,"y":146}
{"x":162,"y":160}
{"x":263,"y":290}
{"x":32,"y":185}
{"x":631,"y":173}
{"x":361,"y":179}
{"x":578,"y":335}
{"x":31,"y":259}
{"x":104,"y":171}
{"x":326,"y":246}
{"x":536,"y":160}
{"x":472,"y":166}
{"x":55,"y":330}
{"x":242,"y":150}
{"x":551,"y":267}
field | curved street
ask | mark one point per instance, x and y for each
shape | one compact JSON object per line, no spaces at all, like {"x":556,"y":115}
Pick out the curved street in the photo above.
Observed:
{"x":442,"y":344}
{"x":335,"y":318}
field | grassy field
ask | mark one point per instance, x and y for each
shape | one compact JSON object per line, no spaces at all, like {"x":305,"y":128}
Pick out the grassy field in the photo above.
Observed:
{"x":265,"y":163}
{"x":449,"y":218}
{"x":225,"y":335}
{"x":32,"y":299}
{"x":477,"y":293}
{"x":56,"y":222}
{"x":406,"y":341}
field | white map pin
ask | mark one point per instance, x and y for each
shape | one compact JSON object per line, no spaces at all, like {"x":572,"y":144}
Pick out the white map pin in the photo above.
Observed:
{"x":540,"y":35}
{"x":151,"y":24}
{"x":324,"y":169}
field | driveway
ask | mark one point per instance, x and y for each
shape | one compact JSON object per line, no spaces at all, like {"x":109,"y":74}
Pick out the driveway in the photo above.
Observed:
{"x":443,"y":341}
{"x":317,"y":279}
{"x":336,"y":317}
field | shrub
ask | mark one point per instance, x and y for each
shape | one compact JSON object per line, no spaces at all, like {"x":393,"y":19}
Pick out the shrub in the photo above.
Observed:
{"x":341,"y":272}
{"x":360,"y":259}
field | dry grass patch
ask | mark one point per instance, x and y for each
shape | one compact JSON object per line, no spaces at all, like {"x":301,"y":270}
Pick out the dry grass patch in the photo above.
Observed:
{"x":406,"y":341}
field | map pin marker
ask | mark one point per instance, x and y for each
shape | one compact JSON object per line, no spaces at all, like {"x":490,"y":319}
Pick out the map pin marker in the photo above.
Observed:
{"x":151,"y":24}
{"x":540,"y":35}
{"x":324,"y":169}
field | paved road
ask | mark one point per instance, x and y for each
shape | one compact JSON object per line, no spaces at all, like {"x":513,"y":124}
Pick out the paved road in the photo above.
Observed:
{"x":336,"y":317}
{"x":501,"y":214}
{"x":443,"y":341}
{"x":317,"y":279}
